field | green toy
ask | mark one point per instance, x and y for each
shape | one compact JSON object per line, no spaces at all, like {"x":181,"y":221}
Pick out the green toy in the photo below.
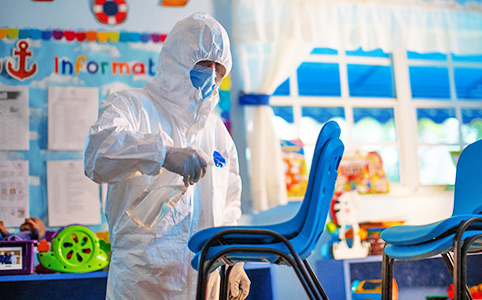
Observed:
{"x":75,"y":249}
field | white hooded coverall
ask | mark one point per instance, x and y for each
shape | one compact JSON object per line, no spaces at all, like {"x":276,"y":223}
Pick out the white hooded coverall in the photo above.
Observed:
{"x":127,"y":145}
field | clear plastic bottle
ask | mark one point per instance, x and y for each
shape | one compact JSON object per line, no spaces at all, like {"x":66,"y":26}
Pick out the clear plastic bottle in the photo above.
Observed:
{"x":162,"y":193}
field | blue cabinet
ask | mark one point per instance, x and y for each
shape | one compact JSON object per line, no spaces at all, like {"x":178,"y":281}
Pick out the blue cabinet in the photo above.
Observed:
{"x":92,"y":286}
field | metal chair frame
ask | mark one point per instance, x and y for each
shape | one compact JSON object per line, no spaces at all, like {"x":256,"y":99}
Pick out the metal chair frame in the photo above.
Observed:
{"x":456,"y":263}
{"x":301,"y":267}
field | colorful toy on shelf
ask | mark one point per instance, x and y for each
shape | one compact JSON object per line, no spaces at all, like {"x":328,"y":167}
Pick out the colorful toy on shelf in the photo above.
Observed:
{"x":363,"y":173}
{"x":344,"y":211}
{"x":296,"y":174}
{"x":74,"y":249}
{"x":475,"y":292}
{"x":370,"y":289}
{"x":16,"y":257}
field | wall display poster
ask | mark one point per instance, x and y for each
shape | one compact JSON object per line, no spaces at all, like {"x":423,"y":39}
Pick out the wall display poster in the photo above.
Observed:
{"x":72,"y":110}
{"x":73,"y":198}
{"x":14,"y":113}
{"x":14,"y":194}
{"x":50,"y":91}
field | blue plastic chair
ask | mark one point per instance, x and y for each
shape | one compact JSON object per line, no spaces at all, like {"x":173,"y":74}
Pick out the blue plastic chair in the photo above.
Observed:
{"x":289,"y":228}
{"x":457,"y":234}
{"x":279,"y":249}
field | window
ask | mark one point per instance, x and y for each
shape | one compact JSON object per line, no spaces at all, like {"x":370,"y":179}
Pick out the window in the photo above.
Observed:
{"x":416,"y":110}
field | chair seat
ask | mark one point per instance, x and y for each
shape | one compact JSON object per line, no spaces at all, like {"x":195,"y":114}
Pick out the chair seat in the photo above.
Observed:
{"x":198,"y":240}
{"x":235,"y":257}
{"x":429,"y":249}
{"x":403,"y":235}
{"x":301,"y":244}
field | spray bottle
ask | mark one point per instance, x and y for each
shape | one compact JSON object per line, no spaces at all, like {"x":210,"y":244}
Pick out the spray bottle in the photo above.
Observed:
{"x":162,"y":194}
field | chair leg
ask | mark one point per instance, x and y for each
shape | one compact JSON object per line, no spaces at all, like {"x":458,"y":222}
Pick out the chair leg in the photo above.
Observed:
{"x":223,"y":295}
{"x":450,"y":263}
{"x":294,"y":262}
{"x":460,"y":277}
{"x":315,"y":279}
{"x":461,"y":248}
{"x":222,"y":286}
{"x":387,"y":277}
{"x":303,"y":278}
{"x":202,"y":279}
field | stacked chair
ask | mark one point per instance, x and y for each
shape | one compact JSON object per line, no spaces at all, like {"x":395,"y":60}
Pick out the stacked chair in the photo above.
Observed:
{"x":452,"y":238}
{"x":288,"y":243}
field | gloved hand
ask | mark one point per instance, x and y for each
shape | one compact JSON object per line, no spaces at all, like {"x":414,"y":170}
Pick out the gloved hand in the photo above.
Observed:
{"x":239,"y":283}
{"x":186,"y":162}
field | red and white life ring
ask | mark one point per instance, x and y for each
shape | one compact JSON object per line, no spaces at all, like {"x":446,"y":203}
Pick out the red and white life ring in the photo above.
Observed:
{"x":110,"y":12}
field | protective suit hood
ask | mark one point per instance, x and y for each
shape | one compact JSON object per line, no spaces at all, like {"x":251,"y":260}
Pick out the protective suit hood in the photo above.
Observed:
{"x":193,"y":39}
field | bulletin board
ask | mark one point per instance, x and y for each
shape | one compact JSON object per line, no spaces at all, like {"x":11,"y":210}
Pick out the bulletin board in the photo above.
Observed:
{"x":48,"y":80}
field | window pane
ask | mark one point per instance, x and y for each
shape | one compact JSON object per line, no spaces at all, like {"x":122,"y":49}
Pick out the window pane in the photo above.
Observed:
{"x":437,"y":125}
{"x":472,"y":125}
{"x":284,"y":122}
{"x":374,"y":125}
{"x":436,"y":164}
{"x":429,"y":82}
{"x":313,"y":119}
{"x":283,"y":89}
{"x":372,"y":53}
{"x":318,"y":79}
{"x":391,"y":161}
{"x":470,"y":58}
{"x":468,"y":83}
{"x":324,"y":51}
{"x":426,"y":56}
{"x":370,"y":81}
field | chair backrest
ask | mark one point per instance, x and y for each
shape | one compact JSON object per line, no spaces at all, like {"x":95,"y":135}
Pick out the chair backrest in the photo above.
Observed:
{"x":324,"y":185}
{"x":330,"y":130}
{"x":468,"y":181}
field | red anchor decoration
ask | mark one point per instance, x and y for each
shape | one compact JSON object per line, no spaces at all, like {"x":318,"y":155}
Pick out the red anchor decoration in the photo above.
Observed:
{"x":21,"y":52}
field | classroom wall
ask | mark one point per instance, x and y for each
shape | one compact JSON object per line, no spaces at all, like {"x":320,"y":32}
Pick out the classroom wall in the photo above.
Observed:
{"x":147,"y":16}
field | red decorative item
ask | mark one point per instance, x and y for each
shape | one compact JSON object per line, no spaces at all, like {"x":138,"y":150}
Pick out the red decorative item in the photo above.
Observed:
{"x":110,"y":12}
{"x":81,"y":36}
{"x":43,"y":246}
{"x":69,"y":35}
{"x":21,"y":53}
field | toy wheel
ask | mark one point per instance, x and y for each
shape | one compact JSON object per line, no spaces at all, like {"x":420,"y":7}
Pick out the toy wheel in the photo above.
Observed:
{"x":76,"y":246}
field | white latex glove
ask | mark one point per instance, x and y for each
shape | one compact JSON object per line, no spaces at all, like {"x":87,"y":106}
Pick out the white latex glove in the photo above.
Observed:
{"x":239,"y":283}
{"x":186,"y":162}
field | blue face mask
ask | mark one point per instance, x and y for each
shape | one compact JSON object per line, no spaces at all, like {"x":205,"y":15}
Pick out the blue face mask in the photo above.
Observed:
{"x":203,"y":79}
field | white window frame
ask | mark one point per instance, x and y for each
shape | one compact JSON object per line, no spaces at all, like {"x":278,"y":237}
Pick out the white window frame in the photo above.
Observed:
{"x":403,"y":105}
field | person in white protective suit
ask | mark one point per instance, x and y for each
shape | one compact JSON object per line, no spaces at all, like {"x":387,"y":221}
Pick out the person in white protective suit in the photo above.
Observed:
{"x":139,"y":131}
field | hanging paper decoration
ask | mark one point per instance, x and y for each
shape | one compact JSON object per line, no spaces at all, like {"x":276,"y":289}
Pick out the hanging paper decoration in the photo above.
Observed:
{"x":81,"y":36}
{"x":110,"y":12}
{"x":173,"y":2}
